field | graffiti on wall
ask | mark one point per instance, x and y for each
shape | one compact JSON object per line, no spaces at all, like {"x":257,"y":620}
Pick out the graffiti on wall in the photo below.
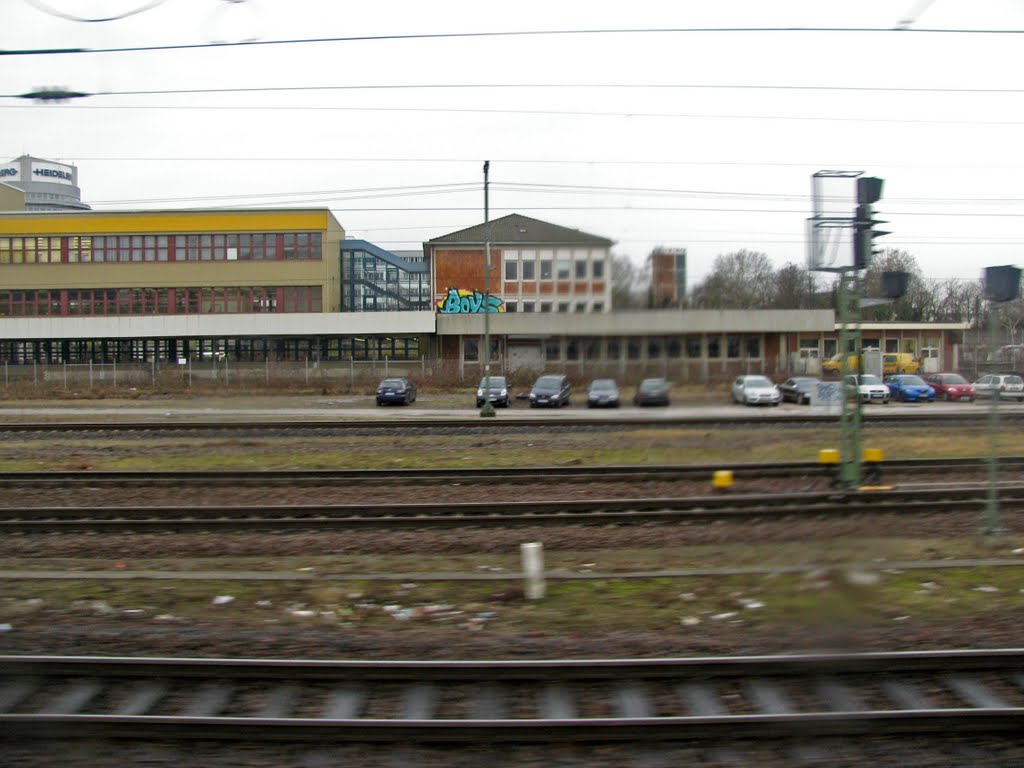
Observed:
{"x":459,"y":301}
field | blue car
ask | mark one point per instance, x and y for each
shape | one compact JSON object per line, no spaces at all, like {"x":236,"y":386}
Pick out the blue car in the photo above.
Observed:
{"x":909,"y":388}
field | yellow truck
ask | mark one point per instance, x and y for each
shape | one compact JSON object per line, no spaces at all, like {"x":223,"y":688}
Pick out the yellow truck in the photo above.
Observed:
{"x":892,"y":362}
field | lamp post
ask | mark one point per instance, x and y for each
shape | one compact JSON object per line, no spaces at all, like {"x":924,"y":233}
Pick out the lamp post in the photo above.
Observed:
{"x":488,"y":408}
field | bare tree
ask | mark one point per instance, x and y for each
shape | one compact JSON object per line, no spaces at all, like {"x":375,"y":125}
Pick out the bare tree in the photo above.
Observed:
{"x":740,"y":280}
{"x":630,"y":283}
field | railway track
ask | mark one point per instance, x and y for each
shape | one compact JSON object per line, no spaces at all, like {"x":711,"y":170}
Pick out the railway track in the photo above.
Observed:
{"x":463,"y":475}
{"x":622,"y":511}
{"x":472,"y":422}
{"x":806,"y":697}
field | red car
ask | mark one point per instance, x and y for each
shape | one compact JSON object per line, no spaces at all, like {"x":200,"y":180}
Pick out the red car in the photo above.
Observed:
{"x":951,"y":386}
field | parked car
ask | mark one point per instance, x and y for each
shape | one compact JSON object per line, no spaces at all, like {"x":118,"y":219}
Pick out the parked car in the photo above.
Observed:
{"x":951,"y":386}
{"x":603,"y":393}
{"x":498,"y":393}
{"x":652,"y":392}
{"x":1010,"y":386}
{"x":909,"y":388}
{"x":396,"y":390}
{"x":798,"y":389}
{"x":755,"y":390}
{"x":868,"y":387}
{"x":551,"y":389}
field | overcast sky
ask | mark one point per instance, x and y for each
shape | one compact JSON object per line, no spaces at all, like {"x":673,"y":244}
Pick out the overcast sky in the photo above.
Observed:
{"x":704,"y":140}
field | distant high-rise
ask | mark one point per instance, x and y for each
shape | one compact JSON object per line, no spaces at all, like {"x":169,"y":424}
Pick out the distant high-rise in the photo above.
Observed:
{"x":48,"y":186}
{"x":668,"y":277}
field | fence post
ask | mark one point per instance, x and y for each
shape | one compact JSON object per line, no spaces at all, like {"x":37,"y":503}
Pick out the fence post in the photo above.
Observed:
{"x":306,"y":363}
{"x":65,"y":364}
{"x":352,"y":371}
{"x":90,"y":374}
{"x":152,"y":377}
{"x":115,"y":373}
{"x":227,"y":372}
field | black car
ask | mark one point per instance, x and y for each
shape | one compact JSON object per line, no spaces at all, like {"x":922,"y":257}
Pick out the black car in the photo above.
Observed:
{"x":396,"y":390}
{"x":498,"y":393}
{"x":652,"y":392}
{"x":603,"y":393}
{"x":798,"y":389}
{"x":551,"y":389}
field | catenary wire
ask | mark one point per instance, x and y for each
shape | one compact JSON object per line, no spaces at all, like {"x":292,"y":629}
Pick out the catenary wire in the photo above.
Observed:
{"x":513,"y":34}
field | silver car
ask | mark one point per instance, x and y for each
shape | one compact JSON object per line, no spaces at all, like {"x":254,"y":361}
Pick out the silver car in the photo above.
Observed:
{"x":755,"y":390}
{"x":1008,"y":385}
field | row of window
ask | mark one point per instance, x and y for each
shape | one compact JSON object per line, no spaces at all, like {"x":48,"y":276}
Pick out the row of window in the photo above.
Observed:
{"x":651,"y":348}
{"x":563,"y":307}
{"x":105,"y":351}
{"x":76,"y":302}
{"x":523,"y":267}
{"x":285,"y":246}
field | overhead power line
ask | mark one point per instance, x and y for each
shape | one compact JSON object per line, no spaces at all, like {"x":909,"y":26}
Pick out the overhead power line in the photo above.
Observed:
{"x":513,"y":86}
{"x":632,"y":115}
{"x":515,"y":33}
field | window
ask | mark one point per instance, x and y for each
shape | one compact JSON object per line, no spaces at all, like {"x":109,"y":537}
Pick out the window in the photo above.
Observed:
{"x":511,"y":306}
{"x":545,"y":269}
{"x":572,"y":349}
{"x":752,"y":346}
{"x":592,"y":350}
{"x":552,"y":349}
{"x":654,"y":348}
{"x":675,"y":348}
{"x":545,"y":306}
{"x":581,"y":307}
{"x":563,"y":307}
{"x":581,"y":270}
{"x":809,"y":346}
{"x":528,"y":306}
{"x":892,"y":345}
{"x":633,"y":349}
{"x":597,"y":269}
{"x":714,"y":346}
{"x":511,"y":269}
{"x":470,"y":350}
{"x":732,"y":346}
{"x":614,"y":351}
{"x":563,"y":269}
{"x":598,"y":306}
{"x":694,"y":347}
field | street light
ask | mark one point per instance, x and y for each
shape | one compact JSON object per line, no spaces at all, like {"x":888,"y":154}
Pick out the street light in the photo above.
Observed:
{"x":488,"y":408}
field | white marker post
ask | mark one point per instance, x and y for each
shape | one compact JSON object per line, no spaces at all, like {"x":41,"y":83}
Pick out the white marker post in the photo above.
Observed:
{"x":533,"y":569}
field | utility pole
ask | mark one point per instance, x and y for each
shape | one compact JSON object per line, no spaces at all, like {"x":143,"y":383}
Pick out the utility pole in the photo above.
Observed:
{"x":488,"y":408}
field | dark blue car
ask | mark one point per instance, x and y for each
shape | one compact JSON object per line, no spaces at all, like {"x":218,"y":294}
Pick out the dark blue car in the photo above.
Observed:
{"x":401,"y":391}
{"x":909,"y":388}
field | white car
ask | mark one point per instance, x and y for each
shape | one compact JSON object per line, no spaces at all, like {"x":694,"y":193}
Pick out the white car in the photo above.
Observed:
{"x":755,"y":390}
{"x":868,"y":387}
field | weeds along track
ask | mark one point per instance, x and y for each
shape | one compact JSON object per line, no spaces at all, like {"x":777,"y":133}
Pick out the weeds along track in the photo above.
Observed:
{"x":804,"y":697}
{"x":424,"y":423}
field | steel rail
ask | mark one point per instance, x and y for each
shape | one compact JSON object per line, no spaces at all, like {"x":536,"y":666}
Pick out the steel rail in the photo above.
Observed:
{"x":468,"y":422}
{"x":107,"y":697}
{"x":529,"y":513}
{"x":532,"y":475}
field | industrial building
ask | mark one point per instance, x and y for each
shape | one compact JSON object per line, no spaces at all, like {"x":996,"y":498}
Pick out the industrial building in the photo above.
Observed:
{"x":250,"y":286}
